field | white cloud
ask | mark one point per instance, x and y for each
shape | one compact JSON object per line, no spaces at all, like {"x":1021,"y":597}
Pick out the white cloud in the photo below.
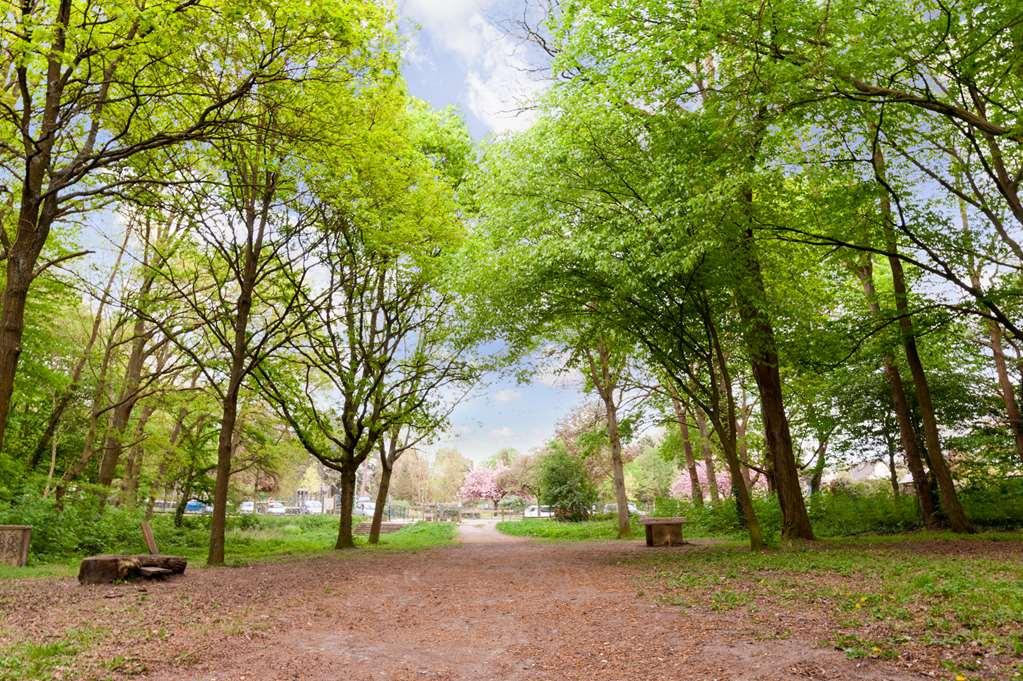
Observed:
{"x":503,"y":433}
{"x":506,"y":395}
{"x":498,"y":87}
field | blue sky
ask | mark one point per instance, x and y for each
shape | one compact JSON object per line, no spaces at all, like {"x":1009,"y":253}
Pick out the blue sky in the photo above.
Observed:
{"x":460,"y":55}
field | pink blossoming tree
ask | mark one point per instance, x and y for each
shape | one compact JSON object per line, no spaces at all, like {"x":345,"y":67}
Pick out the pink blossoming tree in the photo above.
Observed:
{"x":484,"y":483}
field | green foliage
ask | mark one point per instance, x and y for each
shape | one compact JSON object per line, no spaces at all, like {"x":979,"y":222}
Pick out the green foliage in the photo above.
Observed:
{"x":565,"y":484}
{"x":63,"y":537}
{"x":853,"y":510}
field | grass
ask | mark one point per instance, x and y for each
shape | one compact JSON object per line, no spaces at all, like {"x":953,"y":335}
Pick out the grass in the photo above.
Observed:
{"x":586,"y":530}
{"x":884,"y":595}
{"x":271,"y":539}
{"x":30,"y":661}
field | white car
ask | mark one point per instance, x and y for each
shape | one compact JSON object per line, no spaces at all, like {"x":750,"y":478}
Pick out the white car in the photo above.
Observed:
{"x":275,"y":508}
{"x":613,"y":508}
{"x":247,"y":507}
{"x":312,"y":506}
{"x":538,"y":512}
{"x":366,"y":508}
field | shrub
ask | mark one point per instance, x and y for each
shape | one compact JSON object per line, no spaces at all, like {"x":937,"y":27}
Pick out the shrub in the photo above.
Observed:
{"x":565,"y":485}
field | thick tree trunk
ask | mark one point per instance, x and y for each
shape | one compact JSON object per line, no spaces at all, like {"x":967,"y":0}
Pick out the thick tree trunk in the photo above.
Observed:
{"x":345,"y":538}
{"x":225,"y":449}
{"x":760,"y":344}
{"x":687,"y":449}
{"x":939,"y":467}
{"x":900,"y":405}
{"x":708,"y":456}
{"x":378,"y":510}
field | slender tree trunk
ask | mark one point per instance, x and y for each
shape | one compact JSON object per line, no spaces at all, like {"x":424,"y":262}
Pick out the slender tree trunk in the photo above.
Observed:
{"x":92,"y":431}
{"x":687,"y":448}
{"x":618,"y":468}
{"x":62,"y":402}
{"x":939,"y":467}
{"x":900,"y":405}
{"x":818,"y":468}
{"x":708,"y":456}
{"x":893,"y":474}
{"x":378,"y":510}
{"x":113,"y":443}
{"x":605,"y":379}
{"x":345,"y":538}
{"x":133,"y":468}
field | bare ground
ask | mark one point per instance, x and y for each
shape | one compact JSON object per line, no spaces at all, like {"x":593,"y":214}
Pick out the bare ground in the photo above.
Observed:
{"x":485,"y":609}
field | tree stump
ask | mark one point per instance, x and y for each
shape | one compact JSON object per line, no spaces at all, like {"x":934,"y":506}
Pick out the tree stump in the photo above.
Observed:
{"x":109,"y":569}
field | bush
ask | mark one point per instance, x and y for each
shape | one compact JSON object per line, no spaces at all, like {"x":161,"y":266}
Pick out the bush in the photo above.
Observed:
{"x":565,"y":485}
{"x":855,"y":509}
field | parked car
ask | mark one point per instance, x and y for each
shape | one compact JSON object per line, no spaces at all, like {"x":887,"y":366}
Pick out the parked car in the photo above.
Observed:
{"x":538,"y":512}
{"x":196,"y":506}
{"x":311,"y":506}
{"x":275,"y":508}
{"x":247,"y":507}
{"x":613,"y":508}
{"x":366,"y":508}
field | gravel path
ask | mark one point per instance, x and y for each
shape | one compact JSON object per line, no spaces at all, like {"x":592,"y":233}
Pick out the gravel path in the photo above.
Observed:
{"x":490,"y":608}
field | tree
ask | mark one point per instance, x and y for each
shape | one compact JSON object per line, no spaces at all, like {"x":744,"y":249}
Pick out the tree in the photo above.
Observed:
{"x":484,"y":484}
{"x":96,"y":88}
{"x":565,"y":485}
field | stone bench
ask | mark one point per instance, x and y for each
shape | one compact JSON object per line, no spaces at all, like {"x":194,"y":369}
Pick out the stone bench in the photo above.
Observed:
{"x":663,"y":531}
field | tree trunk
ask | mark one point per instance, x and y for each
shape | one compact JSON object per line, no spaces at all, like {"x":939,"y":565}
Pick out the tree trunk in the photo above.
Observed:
{"x":378,"y":510}
{"x":687,"y":447}
{"x":618,"y":468}
{"x":133,"y":468}
{"x":939,"y":467}
{"x":708,"y":456}
{"x":760,"y":344}
{"x":900,"y":405}
{"x":225,"y":449}
{"x":818,"y":468}
{"x":89,"y":447}
{"x":112,"y":444}
{"x":62,"y":402}
{"x":345,"y":539}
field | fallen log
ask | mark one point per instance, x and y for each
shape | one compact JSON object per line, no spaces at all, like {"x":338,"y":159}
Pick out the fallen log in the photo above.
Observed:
{"x":117,"y":568}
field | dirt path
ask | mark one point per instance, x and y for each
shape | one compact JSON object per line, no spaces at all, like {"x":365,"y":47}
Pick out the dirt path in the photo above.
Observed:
{"x":484,"y":532}
{"x":517,"y":610}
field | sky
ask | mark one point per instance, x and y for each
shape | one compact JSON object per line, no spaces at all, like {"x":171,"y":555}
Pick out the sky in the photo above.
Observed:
{"x":460,"y":53}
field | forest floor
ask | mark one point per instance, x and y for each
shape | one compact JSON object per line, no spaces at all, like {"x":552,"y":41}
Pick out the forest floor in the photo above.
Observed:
{"x":497,"y":607}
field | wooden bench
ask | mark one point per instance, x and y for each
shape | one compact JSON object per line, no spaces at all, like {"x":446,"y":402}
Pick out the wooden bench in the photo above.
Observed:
{"x":663,"y":531}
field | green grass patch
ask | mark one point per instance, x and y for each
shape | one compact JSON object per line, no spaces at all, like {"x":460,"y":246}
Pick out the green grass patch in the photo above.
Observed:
{"x":881,"y":593}
{"x":269,"y":539}
{"x":545,"y":528}
{"x":32,"y":661}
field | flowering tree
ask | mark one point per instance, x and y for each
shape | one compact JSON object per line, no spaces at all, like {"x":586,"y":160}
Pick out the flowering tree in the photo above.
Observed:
{"x":682,"y":488}
{"x":484,"y":483}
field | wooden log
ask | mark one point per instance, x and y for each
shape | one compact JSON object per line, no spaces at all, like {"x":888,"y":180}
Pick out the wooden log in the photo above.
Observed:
{"x":109,"y":569}
{"x":150,"y":539}
{"x":176,"y":564}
